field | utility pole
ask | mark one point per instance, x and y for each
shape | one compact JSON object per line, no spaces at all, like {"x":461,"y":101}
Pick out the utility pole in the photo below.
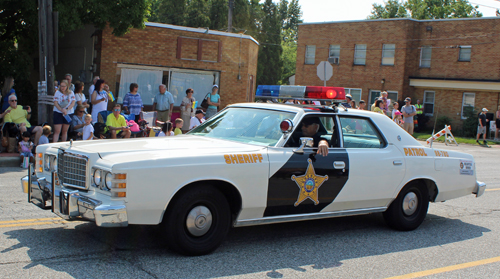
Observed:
{"x":47,"y":40}
{"x":230,"y":16}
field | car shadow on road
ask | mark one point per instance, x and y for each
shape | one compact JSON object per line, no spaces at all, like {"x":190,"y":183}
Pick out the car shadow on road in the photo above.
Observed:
{"x":140,"y":250}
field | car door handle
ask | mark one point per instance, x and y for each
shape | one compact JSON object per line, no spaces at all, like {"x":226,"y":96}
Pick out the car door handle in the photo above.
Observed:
{"x":338,"y":165}
{"x":397,"y":163}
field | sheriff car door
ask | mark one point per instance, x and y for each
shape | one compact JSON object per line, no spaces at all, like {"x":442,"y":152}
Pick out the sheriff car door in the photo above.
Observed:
{"x":304,"y":182}
{"x":376,"y":167}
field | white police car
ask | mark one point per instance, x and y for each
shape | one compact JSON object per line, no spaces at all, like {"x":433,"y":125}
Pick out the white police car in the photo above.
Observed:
{"x":250,"y":165}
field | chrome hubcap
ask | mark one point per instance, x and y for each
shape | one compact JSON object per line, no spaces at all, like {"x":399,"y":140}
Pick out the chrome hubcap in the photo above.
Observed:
{"x":199,"y":220}
{"x":410,"y":203}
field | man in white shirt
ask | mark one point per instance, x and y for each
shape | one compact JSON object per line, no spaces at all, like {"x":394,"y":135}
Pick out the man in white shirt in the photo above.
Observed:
{"x":92,"y":87}
{"x":197,"y":119}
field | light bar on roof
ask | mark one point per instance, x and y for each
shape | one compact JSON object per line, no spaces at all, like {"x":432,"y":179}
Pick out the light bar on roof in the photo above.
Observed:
{"x":300,"y":92}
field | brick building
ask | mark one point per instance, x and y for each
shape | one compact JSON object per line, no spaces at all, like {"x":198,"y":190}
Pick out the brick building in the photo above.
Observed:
{"x":180,"y":57}
{"x":448,"y":64}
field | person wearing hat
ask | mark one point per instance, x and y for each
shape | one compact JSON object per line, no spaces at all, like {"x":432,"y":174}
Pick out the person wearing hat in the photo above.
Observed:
{"x":348,"y":99}
{"x":397,"y":118}
{"x":408,"y":111}
{"x":213,"y":102}
{"x":197,"y":119}
{"x":481,"y":128}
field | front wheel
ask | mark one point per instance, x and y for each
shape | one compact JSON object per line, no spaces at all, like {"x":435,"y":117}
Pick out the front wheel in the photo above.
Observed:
{"x":409,"y":209}
{"x":197,"y":221}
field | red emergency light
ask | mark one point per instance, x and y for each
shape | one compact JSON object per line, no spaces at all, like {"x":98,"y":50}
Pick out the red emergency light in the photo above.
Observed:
{"x":325,"y":93}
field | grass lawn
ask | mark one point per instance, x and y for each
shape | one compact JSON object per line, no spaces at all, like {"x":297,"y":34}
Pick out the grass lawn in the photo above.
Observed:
{"x":425,"y":136}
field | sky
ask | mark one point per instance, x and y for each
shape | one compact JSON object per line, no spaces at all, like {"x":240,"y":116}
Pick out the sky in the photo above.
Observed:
{"x":340,"y":10}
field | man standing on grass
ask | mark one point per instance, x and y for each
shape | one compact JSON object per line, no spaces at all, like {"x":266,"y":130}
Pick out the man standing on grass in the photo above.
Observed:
{"x":481,"y":128}
{"x":408,"y":111}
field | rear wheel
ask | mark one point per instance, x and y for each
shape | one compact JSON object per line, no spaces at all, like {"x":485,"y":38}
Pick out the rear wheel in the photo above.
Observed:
{"x":409,"y":209}
{"x":197,"y":221}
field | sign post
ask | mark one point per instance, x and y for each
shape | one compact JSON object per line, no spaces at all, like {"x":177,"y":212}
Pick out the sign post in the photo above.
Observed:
{"x":324,"y":71}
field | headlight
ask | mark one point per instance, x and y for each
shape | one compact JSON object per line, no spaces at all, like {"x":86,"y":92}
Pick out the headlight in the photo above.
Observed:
{"x":97,"y":177}
{"x":46,"y":164}
{"x":108,"y":180}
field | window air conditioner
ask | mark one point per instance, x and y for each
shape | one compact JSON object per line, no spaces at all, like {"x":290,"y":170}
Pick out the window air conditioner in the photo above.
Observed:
{"x":333,"y":60}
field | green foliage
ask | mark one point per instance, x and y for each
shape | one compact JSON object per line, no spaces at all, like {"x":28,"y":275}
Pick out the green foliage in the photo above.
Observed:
{"x":169,"y":11}
{"x":289,"y":55}
{"x":270,"y":64}
{"x":469,"y":125}
{"x":425,"y":9}
{"x":197,"y":13}
{"x":218,"y":15}
{"x":442,"y":121}
{"x":391,"y":9}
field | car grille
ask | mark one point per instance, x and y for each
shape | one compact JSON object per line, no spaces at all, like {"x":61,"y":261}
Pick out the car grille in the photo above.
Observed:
{"x":72,"y":169}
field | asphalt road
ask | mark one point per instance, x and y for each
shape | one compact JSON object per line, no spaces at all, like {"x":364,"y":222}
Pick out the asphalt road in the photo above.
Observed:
{"x":458,"y":239}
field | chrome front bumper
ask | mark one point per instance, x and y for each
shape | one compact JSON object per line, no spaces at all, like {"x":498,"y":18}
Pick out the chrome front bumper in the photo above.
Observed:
{"x":479,"y":188}
{"x":72,"y":204}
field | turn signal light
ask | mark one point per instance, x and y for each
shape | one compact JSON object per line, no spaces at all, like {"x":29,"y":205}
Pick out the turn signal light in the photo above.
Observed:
{"x":121,"y":176}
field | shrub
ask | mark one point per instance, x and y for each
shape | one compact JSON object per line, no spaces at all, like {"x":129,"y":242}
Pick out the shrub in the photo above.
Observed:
{"x":442,"y":121}
{"x":469,"y":126}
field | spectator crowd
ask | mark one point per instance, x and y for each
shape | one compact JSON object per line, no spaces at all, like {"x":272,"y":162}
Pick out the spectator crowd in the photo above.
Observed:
{"x":80,"y":118}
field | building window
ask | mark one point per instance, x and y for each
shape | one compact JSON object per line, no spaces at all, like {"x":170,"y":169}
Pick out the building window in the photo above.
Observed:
{"x":310,"y":54}
{"x":355,"y":93}
{"x":388,"y":52}
{"x":334,"y":51}
{"x":177,"y":80}
{"x":464,"y":54}
{"x":468,"y":103}
{"x":425,"y":57}
{"x":429,"y":102}
{"x":360,"y":55}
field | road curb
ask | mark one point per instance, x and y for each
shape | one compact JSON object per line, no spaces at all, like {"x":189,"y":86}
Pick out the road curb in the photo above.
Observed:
{"x":10,"y":161}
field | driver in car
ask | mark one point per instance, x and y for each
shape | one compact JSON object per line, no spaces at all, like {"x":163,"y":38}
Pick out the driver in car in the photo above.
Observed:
{"x":310,"y":127}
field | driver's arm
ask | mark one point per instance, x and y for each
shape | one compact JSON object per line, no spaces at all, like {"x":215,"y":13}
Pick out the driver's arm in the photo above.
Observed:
{"x":323,"y":148}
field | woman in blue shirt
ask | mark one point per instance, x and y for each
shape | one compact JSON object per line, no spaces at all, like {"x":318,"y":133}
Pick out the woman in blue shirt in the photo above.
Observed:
{"x":7,"y":90}
{"x":213,"y":102}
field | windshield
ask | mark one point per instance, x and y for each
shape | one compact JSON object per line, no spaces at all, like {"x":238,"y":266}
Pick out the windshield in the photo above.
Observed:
{"x":254,"y":126}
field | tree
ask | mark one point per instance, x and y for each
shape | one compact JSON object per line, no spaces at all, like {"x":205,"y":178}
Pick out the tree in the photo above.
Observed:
{"x":241,"y":15}
{"x":425,"y":9}
{"x":19,"y":27}
{"x":170,"y":11}
{"x":270,"y":64}
{"x":218,"y":15}
{"x":295,"y":18}
{"x":391,"y":9}
{"x":197,"y":13}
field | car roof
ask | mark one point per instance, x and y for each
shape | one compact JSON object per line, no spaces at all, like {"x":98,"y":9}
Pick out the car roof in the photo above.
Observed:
{"x":303,"y":108}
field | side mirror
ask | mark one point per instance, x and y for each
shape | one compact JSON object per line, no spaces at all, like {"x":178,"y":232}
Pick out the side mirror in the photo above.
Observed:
{"x":304,"y":142}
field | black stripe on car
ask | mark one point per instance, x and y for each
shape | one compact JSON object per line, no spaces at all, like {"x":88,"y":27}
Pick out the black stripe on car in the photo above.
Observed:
{"x":286,"y":195}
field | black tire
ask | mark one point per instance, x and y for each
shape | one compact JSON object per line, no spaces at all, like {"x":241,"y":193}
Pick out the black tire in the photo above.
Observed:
{"x":402,"y":215}
{"x":179,"y":236}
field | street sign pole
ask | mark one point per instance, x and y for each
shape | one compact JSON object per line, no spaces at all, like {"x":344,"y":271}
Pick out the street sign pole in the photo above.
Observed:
{"x":324,"y":79}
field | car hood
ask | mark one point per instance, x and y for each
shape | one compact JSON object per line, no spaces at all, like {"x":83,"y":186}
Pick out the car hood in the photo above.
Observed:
{"x":153,"y":147}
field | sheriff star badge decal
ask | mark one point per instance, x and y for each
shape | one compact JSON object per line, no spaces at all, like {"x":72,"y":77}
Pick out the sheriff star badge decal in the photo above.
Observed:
{"x":309,"y":184}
